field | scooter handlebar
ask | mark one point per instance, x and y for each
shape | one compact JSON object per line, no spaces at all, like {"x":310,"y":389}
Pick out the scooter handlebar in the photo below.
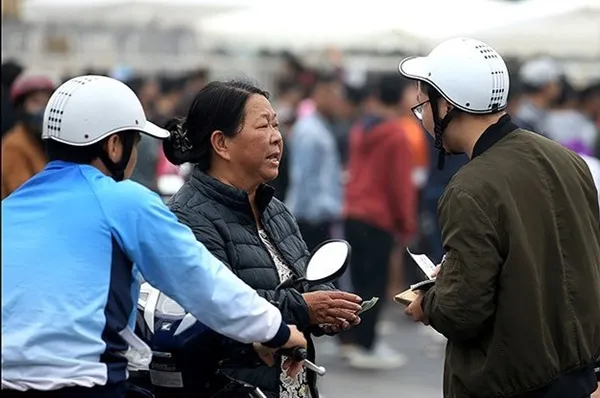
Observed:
{"x":300,"y":354}
{"x":296,"y":353}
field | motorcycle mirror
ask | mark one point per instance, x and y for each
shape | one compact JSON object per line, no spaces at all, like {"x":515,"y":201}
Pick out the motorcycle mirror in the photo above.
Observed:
{"x":328,"y":261}
{"x":325,"y":264}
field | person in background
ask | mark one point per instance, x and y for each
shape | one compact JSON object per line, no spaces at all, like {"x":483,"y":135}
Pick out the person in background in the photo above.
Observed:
{"x":148,"y":92}
{"x":315,"y":188}
{"x":148,"y":147}
{"x":172,"y":88}
{"x":515,"y":95}
{"x":288,"y":98}
{"x":413,"y":131}
{"x":379,"y":207}
{"x":589,"y":103}
{"x":401,"y":275}
{"x":541,"y":79}
{"x":194,"y":82}
{"x":568,"y":125}
{"x":351,"y":111}
{"x":10,"y":71}
{"x":293,"y":70}
{"x":289,"y":95}
{"x":592,"y":162}
{"x":432,"y":192}
{"x":23,"y":153}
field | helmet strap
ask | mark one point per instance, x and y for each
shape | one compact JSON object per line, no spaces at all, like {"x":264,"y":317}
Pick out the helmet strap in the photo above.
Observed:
{"x":439,"y":127}
{"x":117,"y":169}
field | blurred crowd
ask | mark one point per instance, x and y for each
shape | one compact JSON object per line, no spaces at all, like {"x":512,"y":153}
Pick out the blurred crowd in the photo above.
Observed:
{"x":337,"y":139}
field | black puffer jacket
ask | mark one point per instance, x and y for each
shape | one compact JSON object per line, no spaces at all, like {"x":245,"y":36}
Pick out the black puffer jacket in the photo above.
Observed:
{"x":221,"y":218}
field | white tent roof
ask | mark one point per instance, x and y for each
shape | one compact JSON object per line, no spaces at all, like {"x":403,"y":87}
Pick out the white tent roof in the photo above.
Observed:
{"x":134,"y":12}
{"x":408,"y":25}
{"x":571,"y":30}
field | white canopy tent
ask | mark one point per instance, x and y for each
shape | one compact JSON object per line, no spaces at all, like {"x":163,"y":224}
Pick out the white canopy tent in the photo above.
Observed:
{"x":133,"y":12}
{"x":290,"y":25}
{"x":411,"y":26}
{"x":571,"y":30}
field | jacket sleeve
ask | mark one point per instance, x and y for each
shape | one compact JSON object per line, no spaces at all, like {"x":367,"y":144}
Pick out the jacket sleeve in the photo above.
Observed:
{"x":292,"y":306}
{"x":463,"y":298}
{"x":171,"y":259}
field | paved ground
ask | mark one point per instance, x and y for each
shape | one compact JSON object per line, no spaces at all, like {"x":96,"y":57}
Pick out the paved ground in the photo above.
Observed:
{"x":421,"y":377}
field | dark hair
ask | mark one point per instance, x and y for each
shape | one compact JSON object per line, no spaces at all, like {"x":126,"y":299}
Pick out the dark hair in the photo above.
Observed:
{"x":355,"y":94}
{"x":516,"y":87}
{"x":567,"y":92}
{"x":77,"y":154}
{"x":322,"y":78}
{"x":529,"y":88}
{"x":218,"y":106}
{"x":589,"y":92}
{"x":389,"y":88}
{"x":431,"y":91}
{"x":287,"y":86}
{"x":293,"y":61}
{"x":135,"y":83}
{"x":10,"y":71}
{"x":198,"y":74}
{"x":326,"y":77}
{"x":171,"y":84}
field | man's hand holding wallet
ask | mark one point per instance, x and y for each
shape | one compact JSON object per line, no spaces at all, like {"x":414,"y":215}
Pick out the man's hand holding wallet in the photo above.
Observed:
{"x":413,"y":296}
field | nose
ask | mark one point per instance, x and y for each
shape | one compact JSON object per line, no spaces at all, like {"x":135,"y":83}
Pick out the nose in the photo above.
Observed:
{"x":276,"y":138}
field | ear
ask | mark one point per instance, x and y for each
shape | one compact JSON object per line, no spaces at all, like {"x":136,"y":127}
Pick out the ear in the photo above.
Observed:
{"x":113,"y":147}
{"x":220,"y":144}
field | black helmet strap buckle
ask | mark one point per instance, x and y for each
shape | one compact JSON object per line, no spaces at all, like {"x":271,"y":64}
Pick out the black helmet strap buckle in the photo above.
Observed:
{"x":117,"y":169}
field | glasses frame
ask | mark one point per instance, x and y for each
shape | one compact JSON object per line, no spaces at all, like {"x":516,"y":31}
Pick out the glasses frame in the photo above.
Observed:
{"x":417,"y":110}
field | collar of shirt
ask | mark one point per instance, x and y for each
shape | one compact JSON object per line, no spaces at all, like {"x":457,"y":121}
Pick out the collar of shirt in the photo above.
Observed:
{"x":493,"y":134}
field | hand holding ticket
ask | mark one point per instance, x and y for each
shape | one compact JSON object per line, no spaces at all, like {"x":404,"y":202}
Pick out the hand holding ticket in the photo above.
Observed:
{"x":429,"y":270}
{"x":425,"y":264}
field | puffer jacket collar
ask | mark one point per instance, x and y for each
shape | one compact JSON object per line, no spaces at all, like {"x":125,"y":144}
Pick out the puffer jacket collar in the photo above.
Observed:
{"x":231,"y":196}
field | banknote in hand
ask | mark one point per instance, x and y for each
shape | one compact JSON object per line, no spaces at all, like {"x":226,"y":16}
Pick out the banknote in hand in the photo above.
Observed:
{"x":367,"y":305}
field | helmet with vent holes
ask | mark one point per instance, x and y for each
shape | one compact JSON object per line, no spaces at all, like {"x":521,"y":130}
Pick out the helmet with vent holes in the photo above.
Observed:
{"x":468,"y":73}
{"x":87,"y":109}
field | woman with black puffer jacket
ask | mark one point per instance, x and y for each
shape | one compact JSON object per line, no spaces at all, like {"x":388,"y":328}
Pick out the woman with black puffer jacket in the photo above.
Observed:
{"x":231,"y":135}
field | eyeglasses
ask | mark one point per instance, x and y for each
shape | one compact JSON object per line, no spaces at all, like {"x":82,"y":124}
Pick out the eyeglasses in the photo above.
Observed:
{"x":418,"y":110}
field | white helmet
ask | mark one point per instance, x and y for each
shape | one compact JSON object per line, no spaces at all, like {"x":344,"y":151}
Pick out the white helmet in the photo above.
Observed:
{"x":468,"y":73}
{"x":87,"y":109}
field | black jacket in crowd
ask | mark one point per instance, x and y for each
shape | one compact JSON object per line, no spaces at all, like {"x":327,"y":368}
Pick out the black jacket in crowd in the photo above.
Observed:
{"x":221,"y":218}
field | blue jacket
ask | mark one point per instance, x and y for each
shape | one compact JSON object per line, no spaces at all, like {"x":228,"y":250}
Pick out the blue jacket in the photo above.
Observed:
{"x":70,"y":238}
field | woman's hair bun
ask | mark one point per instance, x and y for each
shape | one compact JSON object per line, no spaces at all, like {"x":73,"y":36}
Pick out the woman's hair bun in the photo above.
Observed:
{"x":178,"y":148}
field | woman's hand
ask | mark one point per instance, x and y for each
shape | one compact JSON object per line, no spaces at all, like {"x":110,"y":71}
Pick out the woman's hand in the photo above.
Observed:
{"x":334,"y":329}
{"x":333,"y":307}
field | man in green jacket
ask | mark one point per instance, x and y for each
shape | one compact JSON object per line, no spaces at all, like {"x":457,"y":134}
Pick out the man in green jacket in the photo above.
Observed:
{"x":518,"y":293}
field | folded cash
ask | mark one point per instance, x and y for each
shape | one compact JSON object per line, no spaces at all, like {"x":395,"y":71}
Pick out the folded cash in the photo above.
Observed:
{"x":367,"y":305}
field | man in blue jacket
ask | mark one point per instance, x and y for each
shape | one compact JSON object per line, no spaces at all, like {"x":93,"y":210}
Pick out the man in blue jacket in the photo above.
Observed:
{"x":70,"y":238}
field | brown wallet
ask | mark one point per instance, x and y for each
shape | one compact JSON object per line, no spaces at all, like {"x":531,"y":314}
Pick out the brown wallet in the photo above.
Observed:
{"x":406,"y":297}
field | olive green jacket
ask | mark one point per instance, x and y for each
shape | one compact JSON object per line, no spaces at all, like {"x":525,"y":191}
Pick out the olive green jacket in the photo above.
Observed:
{"x":518,"y":294}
